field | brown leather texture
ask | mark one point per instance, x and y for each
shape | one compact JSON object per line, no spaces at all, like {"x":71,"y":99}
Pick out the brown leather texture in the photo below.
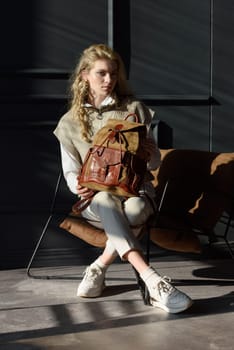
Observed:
{"x":82,"y":229}
{"x":112,"y":163}
{"x":201,"y":185}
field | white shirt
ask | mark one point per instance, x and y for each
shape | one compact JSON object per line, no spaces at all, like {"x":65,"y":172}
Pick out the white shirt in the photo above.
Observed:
{"x":70,"y":168}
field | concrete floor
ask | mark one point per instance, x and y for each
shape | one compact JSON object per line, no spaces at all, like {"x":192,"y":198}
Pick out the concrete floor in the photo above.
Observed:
{"x":46,"y":314}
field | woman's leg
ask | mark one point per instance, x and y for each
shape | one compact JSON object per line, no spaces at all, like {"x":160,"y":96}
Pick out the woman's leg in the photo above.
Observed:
{"x":111,"y":213}
{"x":115,"y":216}
{"x":115,"y":219}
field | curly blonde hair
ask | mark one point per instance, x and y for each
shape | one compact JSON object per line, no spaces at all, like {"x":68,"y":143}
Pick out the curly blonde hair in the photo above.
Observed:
{"x":80,"y":89}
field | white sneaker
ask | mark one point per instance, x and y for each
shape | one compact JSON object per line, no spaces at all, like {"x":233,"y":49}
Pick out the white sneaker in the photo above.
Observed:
{"x":92,"y":283}
{"x":168,"y":298}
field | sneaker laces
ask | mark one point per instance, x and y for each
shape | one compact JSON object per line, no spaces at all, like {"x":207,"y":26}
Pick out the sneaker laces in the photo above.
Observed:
{"x":91,"y":273}
{"x":164,"y":286}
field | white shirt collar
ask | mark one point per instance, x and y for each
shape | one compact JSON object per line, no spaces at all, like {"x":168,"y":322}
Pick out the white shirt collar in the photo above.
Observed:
{"x":109,"y":100}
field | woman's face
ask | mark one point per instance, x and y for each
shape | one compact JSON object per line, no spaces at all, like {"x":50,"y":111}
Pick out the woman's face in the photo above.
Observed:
{"x":102,"y":77}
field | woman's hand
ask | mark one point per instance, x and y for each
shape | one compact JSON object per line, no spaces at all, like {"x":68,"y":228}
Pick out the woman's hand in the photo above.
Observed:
{"x":84,"y":192}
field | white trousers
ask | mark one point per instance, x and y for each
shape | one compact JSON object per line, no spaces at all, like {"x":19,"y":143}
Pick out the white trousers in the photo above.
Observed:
{"x":116,"y":216}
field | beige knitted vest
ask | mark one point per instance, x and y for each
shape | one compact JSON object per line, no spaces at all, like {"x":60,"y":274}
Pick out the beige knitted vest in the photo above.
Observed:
{"x":68,"y":131}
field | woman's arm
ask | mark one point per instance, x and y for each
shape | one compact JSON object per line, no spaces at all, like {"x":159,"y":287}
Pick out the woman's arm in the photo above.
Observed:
{"x":71,"y":168}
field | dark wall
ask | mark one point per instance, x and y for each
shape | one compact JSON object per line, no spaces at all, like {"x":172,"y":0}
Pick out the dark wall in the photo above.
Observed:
{"x":179,"y":58}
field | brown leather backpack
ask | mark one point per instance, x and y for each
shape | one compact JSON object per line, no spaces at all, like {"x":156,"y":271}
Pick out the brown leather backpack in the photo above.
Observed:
{"x":115,"y":163}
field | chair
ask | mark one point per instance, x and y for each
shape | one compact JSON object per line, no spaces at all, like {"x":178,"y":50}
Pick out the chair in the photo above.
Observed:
{"x":196,"y":193}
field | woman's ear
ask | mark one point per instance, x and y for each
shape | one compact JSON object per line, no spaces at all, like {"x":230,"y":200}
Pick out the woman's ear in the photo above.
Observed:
{"x":84,"y":75}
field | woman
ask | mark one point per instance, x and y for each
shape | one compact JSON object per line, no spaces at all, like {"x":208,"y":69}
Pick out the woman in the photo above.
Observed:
{"x":99,"y":92}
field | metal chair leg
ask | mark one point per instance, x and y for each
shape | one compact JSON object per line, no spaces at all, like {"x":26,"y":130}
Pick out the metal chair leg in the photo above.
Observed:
{"x":225,"y":235}
{"x":44,"y":231}
{"x":226,"y":220}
